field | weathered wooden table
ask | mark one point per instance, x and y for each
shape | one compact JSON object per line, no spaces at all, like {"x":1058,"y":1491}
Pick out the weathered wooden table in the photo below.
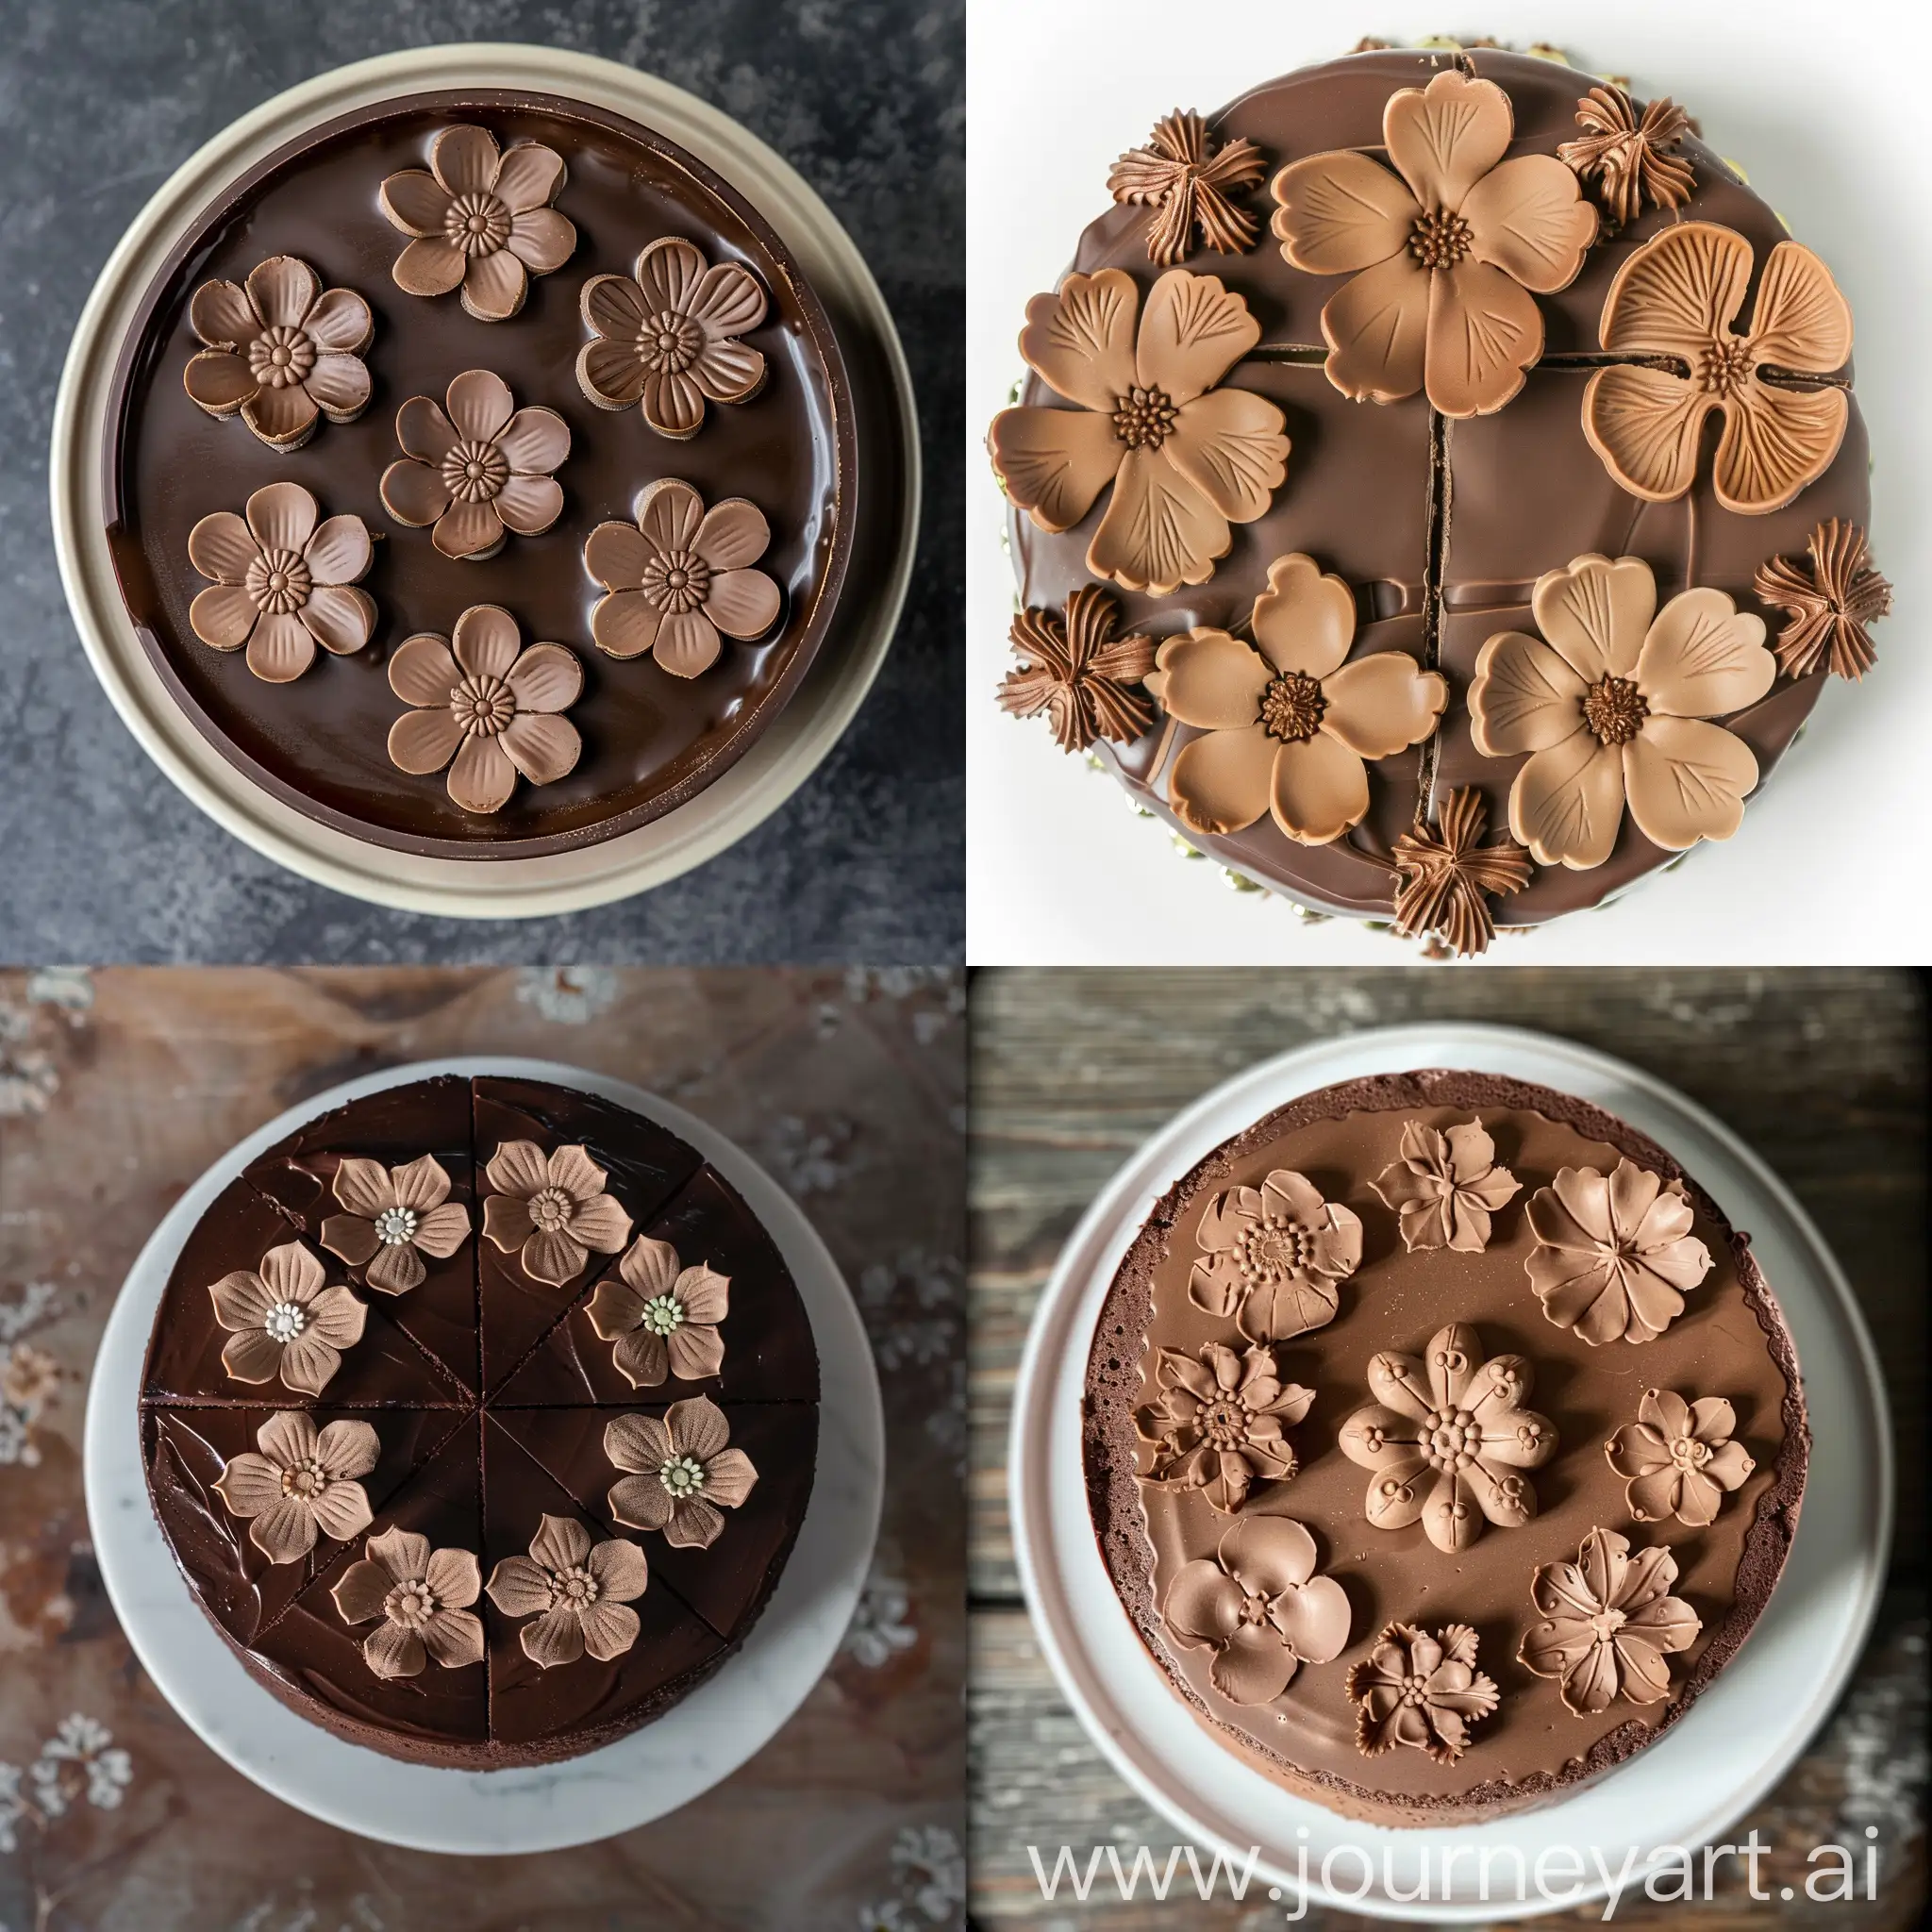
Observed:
{"x":117,"y":1090}
{"x":1824,"y":1073}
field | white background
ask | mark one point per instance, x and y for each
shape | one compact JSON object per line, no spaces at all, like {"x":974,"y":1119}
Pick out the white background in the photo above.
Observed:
{"x":1831,"y":128}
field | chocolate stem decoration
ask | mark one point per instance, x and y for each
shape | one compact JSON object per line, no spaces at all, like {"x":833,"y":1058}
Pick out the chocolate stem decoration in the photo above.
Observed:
{"x":1831,"y":604}
{"x":1446,"y":877}
{"x":1075,"y":670}
{"x":1187,"y":179}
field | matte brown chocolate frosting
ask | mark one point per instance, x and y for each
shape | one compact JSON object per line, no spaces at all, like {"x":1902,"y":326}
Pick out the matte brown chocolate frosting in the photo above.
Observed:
{"x":489,"y":1393}
{"x":650,"y":739}
{"x":1730,"y":1342}
{"x":1441,"y":528}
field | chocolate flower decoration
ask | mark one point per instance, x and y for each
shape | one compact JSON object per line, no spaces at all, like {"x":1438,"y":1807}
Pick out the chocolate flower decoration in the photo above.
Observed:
{"x":1632,"y":158}
{"x":480,"y":471}
{"x":303,"y":1482}
{"x":662,"y":1316}
{"x":1679,"y":1457}
{"x":1608,"y":1624}
{"x":551,"y":1211}
{"x":1259,"y":1606}
{"x":1677,"y":296}
{"x":280,"y":350}
{"x":669,"y":338}
{"x":423,"y":1597}
{"x":1289,"y":723}
{"x":1448,"y":252}
{"x":679,"y":576}
{"x":481,"y":218}
{"x":486,"y":704}
{"x":1445,"y":1440}
{"x":1218,"y":1427}
{"x":1445,"y":876}
{"x":1274,"y":1256}
{"x":1078,"y":673}
{"x":577,"y":1593}
{"x":1421,"y":1690}
{"x":286,"y":1321}
{"x":1187,"y":179}
{"x":681,"y":1471}
{"x":1612,"y":704}
{"x":1614,"y":1256}
{"x":392,"y":1213}
{"x":1445,"y":1186}
{"x":284,"y":582}
{"x":1185,"y":458}
{"x":1830,"y":604}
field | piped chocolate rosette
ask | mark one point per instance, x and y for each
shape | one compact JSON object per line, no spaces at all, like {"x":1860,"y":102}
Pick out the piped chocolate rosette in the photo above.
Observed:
{"x":1438,"y":490}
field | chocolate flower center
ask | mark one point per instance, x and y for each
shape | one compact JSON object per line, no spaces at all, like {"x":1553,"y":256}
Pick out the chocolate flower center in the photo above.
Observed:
{"x":1253,"y":1608}
{"x":474,"y":472}
{"x":1605,"y":1625}
{"x":550,"y":1207}
{"x":303,"y":1480}
{"x":1687,"y":1452}
{"x":1723,"y":366}
{"x":677,"y":580}
{"x":1615,"y":709}
{"x":670,"y":342}
{"x":478,"y":224}
{"x":1453,"y":1440}
{"x":1271,"y":1249}
{"x":1143,"y":418}
{"x":280,"y":357}
{"x":682,"y":1475}
{"x":284,"y":1321}
{"x":395,"y":1227}
{"x":278,"y":581}
{"x":1224,"y":1424}
{"x":662,"y":1315}
{"x":1292,"y":707}
{"x":484,"y":707}
{"x":574,"y":1589}
{"x":1439,"y":239}
{"x":411,"y":1604}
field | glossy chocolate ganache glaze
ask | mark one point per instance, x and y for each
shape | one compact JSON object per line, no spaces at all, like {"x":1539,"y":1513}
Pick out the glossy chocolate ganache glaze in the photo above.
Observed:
{"x":1443,"y":1442}
{"x":483,"y":352}
{"x":481,"y":1417}
{"x":1437,"y":489}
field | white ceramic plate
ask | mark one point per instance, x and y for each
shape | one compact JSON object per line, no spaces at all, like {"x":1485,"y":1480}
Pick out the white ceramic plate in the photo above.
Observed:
{"x":1735,"y":1741}
{"x":789,"y":748}
{"x":655,"y":1769}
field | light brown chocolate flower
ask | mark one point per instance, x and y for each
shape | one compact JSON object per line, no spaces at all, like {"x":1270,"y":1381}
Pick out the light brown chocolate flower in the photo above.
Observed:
{"x":1446,"y":1438}
{"x":1259,"y":1606}
{"x":482,"y":220}
{"x":1289,"y":723}
{"x":422,"y":1595}
{"x":1830,"y":602}
{"x":392,"y":1213}
{"x":681,"y":1471}
{"x":578,"y":1593}
{"x":1185,"y":458}
{"x":1631,"y":156}
{"x":679,"y":576}
{"x":1445,"y":1186}
{"x":486,"y":708}
{"x":1274,"y":1256}
{"x":1420,"y":1691}
{"x":284,"y":582}
{"x":285,"y":1320}
{"x":1187,"y":179}
{"x":301,"y":1484}
{"x":1078,"y":673}
{"x":1615,"y":1255}
{"x":1219,"y":1424}
{"x":552,"y":1212}
{"x":1677,"y":297}
{"x":1446,"y":252}
{"x":1679,"y":1457}
{"x":1608,"y":1624}
{"x":662,"y":1316}
{"x":1611,"y":703}
{"x":479,"y":471}
{"x":669,"y":338}
{"x":1447,"y":876}
{"x":280,"y":350}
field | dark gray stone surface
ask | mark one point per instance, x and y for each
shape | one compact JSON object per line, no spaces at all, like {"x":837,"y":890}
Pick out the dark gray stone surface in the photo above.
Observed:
{"x":101,"y":860}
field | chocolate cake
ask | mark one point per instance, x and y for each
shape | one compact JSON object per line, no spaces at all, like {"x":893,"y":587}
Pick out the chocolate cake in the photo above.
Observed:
{"x":1438,"y":490}
{"x":481,"y":1417}
{"x":482,"y":473}
{"x":1443,"y":1442}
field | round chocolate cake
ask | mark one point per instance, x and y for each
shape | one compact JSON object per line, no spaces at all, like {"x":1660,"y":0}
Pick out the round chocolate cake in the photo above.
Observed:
{"x":481,"y":475}
{"x":481,"y":1417}
{"x":1438,"y":490}
{"x":1443,"y":1442}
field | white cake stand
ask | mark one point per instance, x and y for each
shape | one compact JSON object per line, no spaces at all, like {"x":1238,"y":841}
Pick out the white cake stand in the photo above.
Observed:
{"x":1735,"y":1741}
{"x":655,"y":1769}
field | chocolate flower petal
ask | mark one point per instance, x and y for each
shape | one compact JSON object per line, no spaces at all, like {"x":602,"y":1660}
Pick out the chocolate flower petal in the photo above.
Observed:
{"x":350,"y":1238}
{"x":282,"y":516}
{"x":1686,"y":780}
{"x":1314,"y":1618}
{"x":1704,"y":657}
{"x":424,"y":432}
{"x":1524,"y":697}
{"x":614,"y":307}
{"x":1054,"y":462}
{"x":1320,"y":789}
{"x":1304,"y":622}
{"x":340,"y":323}
{"x":285,"y":1531}
{"x":1080,"y":340}
{"x":415,"y":202}
{"x":543,"y":749}
{"x":728,"y":301}
{"x":494,"y":286}
{"x":424,"y":741}
{"x":308,"y":1364}
{"x":695,"y":1351}
{"x":361,"y":1591}
{"x":612,"y":373}
{"x":1483,"y":333}
{"x":220,"y":313}
{"x":1526,"y":220}
{"x":742,"y":603}
{"x":391,"y":1652}
{"x":339,"y":384}
{"x":1193,"y":332}
{"x":1212,"y":680}
{"x":610,"y":1629}
{"x":479,"y":405}
{"x":251,"y":1355}
{"x":222,"y":546}
{"x":343,"y":1510}
{"x":486,"y":643}
{"x":704,"y":1295}
{"x":1801,"y":319}
{"x":220,"y":381}
{"x":519,"y":1588}
{"x":280,"y":648}
{"x":640,"y":1500}
{"x":482,"y":779}
{"x":282,"y":290}
{"x":642,"y":1357}
{"x":617,"y":556}
{"x":453,"y":1637}
{"x":444,"y":1229}
{"x":1253,"y":1666}
{"x":468,"y":529}
{"x":1222,"y":783}
{"x":464,"y":159}
{"x":731,"y":535}
{"x":668,"y":274}
{"x":1444,"y":137}
{"x":429,"y":267}
{"x":529,"y":177}
{"x":549,"y":678}
{"x":223,"y":616}
{"x":673,"y":405}
{"x":728,"y":371}
{"x":397,"y":1269}
{"x":1383,"y":704}
{"x":1776,"y":442}
{"x":346,"y":1449}
{"x":1341,"y":212}
{"x":1567,"y":803}
{"x":1159,"y":531}
{"x":688,"y":643}
{"x":518,"y":1167}
{"x":1646,"y":424}
{"x":1228,"y":444}
{"x":528,"y":504}
{"x":339,"y":552}
{"x":1677,"y":293}
{"x":534,"y":441}
{"x":339,"y":617}
{"x":729,"y":1477}
{"x":424,"y":672}
{"x":280,"y":415}
{"x":553,"y":1639}
{"x":1203,"y":1604}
